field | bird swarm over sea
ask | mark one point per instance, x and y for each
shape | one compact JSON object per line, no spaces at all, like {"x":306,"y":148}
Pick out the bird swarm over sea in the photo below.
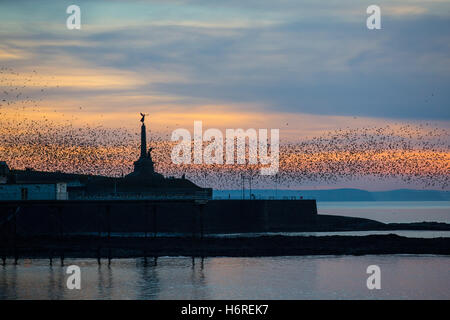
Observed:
{"x":411,"y":153}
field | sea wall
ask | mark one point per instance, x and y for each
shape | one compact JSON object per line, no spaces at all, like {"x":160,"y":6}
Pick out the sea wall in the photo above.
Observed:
{"x":188,"y":216}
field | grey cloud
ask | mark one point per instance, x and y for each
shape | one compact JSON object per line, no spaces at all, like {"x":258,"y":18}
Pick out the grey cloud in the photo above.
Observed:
{"x":332,"y":66}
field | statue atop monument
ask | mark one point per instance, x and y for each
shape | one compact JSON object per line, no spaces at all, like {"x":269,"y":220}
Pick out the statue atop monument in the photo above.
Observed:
{"x":143,"y":117}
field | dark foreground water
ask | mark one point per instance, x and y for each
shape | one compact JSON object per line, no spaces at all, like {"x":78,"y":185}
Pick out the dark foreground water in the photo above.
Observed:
{"x":311,"y":277}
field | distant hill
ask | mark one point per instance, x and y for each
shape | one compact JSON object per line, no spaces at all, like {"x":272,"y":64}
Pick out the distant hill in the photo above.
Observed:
{"x":341,"y":194}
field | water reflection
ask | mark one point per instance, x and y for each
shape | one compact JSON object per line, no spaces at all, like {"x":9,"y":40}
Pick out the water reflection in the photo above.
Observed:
{"x":54,"y":282}
{"x":104,"y":282}
{"x":148,"y":287}
{"x":198,"y":281}
{"x":311,"y":277}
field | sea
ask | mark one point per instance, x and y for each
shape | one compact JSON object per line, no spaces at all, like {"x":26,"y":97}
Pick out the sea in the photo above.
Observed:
{"x":293,"y":277}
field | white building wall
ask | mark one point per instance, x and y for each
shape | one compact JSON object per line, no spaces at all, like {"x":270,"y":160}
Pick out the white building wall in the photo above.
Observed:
{"x":61,"y":191}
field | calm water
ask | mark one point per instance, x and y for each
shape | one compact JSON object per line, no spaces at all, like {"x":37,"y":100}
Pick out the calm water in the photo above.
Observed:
{"x":330,"y":277}
{"x":390,"y":211}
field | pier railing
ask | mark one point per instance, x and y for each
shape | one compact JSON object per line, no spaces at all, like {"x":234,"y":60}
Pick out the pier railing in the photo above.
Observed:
{"x":200,"y":195}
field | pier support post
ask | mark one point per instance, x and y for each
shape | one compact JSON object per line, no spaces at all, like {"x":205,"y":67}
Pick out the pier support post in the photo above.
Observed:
{"x":4,"y":249}
{"x":99,"y":236}
{"x":99,"y":261}
{"x":100,"y":216}
{"x":108,"y":218}
{"x":14,"y":235}
{"x":4,"y":238}
{"x":194,"y":221}
{"x":146,"y":226}
{"x":201,"y":221}
{"x":4,"y":244}
{"x":200,"y":205}
{"x":146,"y":230}
{"x":61,"y":232}
{"x":155,"y":222}
{"x":60,"y":223}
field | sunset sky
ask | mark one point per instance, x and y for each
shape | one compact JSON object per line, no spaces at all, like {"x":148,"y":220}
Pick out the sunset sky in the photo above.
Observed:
{"x":304,"y":67}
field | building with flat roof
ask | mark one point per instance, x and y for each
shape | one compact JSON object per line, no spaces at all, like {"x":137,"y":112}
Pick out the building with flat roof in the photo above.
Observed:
{"x":34,"y":191}
{"x":143,"y":183}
